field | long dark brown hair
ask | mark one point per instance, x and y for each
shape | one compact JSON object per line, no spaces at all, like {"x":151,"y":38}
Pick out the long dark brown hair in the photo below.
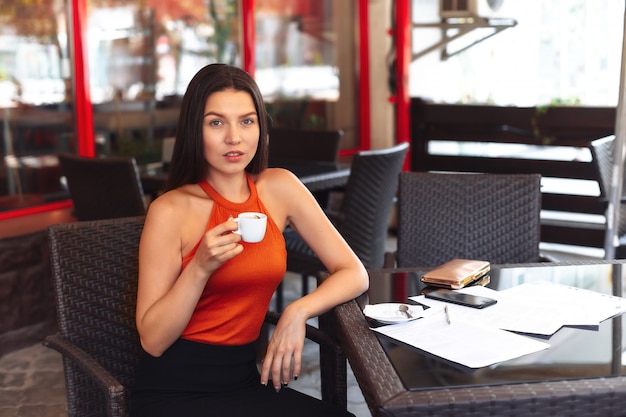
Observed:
{"x":188,"y":165}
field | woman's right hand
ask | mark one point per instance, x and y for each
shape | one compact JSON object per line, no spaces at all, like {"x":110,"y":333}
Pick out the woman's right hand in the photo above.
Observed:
{"x":217,"y":246}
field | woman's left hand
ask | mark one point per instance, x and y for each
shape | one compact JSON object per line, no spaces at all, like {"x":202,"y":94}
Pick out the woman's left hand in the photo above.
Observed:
{"x":285,"y":346}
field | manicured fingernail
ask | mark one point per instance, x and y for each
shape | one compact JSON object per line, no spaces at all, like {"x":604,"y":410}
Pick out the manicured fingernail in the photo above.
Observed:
{"x":285,"y":384}
{"x":295,"y":377}
{"x":277,"y":389}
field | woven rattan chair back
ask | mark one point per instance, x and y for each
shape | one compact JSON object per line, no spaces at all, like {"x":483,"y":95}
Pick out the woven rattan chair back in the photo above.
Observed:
{"x":492,"y":217}
{"x":293,"y":145}
{"x":95,"y":267}
{"x":602,"y":160}
{"x":368,"y":200}
{"x":103,"y":188}
{"x":363,"y":218}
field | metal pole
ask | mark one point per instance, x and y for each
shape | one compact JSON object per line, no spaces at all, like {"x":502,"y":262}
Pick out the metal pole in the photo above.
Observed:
{"x":617,"y":348}
{"x":403,"y":60}
{"x":83,"y":111}
{"x":615,"y":193}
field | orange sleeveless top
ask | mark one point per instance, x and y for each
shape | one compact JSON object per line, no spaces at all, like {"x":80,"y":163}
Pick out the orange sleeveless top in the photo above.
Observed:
{"x":236,"y":297}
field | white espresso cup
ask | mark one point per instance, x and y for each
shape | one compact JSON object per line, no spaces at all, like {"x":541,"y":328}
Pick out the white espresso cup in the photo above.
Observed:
{"x":251,"y":226}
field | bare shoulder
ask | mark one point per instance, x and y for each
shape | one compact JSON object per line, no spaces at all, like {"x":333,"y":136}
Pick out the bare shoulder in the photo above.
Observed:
{"x":173,"y":202}
{"x":275,"y":173}
{"x":284,"y":195}
{"x":278,"y":180}
{"x":183,"y":212}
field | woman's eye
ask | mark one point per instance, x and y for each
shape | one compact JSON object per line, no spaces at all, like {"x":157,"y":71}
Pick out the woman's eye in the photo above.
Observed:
{"x":248,"y":121}
{"x":215,"y":122}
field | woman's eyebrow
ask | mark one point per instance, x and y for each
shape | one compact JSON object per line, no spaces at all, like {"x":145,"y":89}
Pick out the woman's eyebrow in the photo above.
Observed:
{"x":213,"y":113}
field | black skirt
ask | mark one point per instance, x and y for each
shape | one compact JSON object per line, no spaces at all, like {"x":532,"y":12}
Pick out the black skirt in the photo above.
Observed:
{"x":194,"y":379}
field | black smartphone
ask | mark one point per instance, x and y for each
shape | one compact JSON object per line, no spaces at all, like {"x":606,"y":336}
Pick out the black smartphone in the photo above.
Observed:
{"x":455,"y":297}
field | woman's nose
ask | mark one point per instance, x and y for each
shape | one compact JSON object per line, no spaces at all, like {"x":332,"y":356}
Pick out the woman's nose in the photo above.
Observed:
{"x":233,"y":137}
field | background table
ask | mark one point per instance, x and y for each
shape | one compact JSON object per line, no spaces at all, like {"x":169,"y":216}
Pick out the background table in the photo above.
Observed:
{"x":317,"y":176}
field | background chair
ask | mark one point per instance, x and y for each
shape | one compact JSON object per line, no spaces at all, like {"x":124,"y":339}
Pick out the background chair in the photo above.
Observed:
{"x":293,"y":145}
{"x":363,"y":217}
{"x":304,"y":145}
{"x":491,"y":217}
{"x":95,"y":267}
{"x":602,"y":159}
{"x":103,"y":188}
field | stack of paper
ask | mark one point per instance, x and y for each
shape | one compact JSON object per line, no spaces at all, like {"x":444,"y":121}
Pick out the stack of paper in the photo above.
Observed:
{"x":539,"y":308}
{"x":481,"y":337}
{"x":471,"y":344}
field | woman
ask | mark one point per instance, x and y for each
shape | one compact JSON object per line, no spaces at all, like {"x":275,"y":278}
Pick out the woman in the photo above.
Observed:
{"x":203,"y":292}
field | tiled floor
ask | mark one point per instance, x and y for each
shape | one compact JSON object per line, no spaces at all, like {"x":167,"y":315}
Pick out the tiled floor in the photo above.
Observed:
{"x":32,"y":385}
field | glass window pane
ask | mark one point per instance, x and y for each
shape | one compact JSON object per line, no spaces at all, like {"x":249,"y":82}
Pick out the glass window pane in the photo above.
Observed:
{"x":298,"y":61}
{"x":142,"y":55}
{"x":37,"y":121}
{"x":295,"y":50}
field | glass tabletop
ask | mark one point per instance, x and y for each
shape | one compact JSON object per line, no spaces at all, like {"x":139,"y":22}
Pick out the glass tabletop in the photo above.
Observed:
{"x":574,"y":352}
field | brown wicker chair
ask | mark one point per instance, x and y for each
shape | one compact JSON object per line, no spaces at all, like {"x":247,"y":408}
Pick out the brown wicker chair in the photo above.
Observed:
{"x":602,"y":159}
{"x":94,"y":267}
{"x":492,"y":217}
{"x":363,"y":218}
{"x":103,"y":188}
{"x":304,"y":145}
{"x":294,"y":145}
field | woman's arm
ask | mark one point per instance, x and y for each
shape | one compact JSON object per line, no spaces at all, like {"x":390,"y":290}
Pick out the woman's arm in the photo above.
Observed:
{"x":347,"y":280}
{"x":167,"y":297}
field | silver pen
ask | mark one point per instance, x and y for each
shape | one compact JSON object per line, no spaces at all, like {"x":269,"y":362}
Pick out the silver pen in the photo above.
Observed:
{"x":447,"y":314}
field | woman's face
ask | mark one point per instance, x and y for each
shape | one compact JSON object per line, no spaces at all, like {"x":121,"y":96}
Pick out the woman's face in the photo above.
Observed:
{"x":230,"y":131}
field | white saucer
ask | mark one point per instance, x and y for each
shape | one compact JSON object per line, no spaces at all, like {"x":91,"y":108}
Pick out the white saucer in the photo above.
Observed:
{"x":389,"y":313}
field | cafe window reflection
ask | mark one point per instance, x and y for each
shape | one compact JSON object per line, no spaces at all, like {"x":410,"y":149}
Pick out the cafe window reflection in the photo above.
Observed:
{"x":152,"y":51}
{"x":35,"y":100}
{"x":142,"y":55}
{"x":296,"y":66}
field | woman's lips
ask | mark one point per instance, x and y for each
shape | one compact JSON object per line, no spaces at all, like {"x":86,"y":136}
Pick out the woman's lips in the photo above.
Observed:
{"x":234,"y":156}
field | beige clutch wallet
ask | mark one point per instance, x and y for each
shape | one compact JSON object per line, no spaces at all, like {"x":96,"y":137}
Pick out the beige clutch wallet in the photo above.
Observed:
{"x":457,"y":273}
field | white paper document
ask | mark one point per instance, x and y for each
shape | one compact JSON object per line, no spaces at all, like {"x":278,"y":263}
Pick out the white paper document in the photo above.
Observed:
{"x":539,"y":308}
{"x":477,"y":338}
{"x":578,"y":307}
{"x":473,"y":345}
